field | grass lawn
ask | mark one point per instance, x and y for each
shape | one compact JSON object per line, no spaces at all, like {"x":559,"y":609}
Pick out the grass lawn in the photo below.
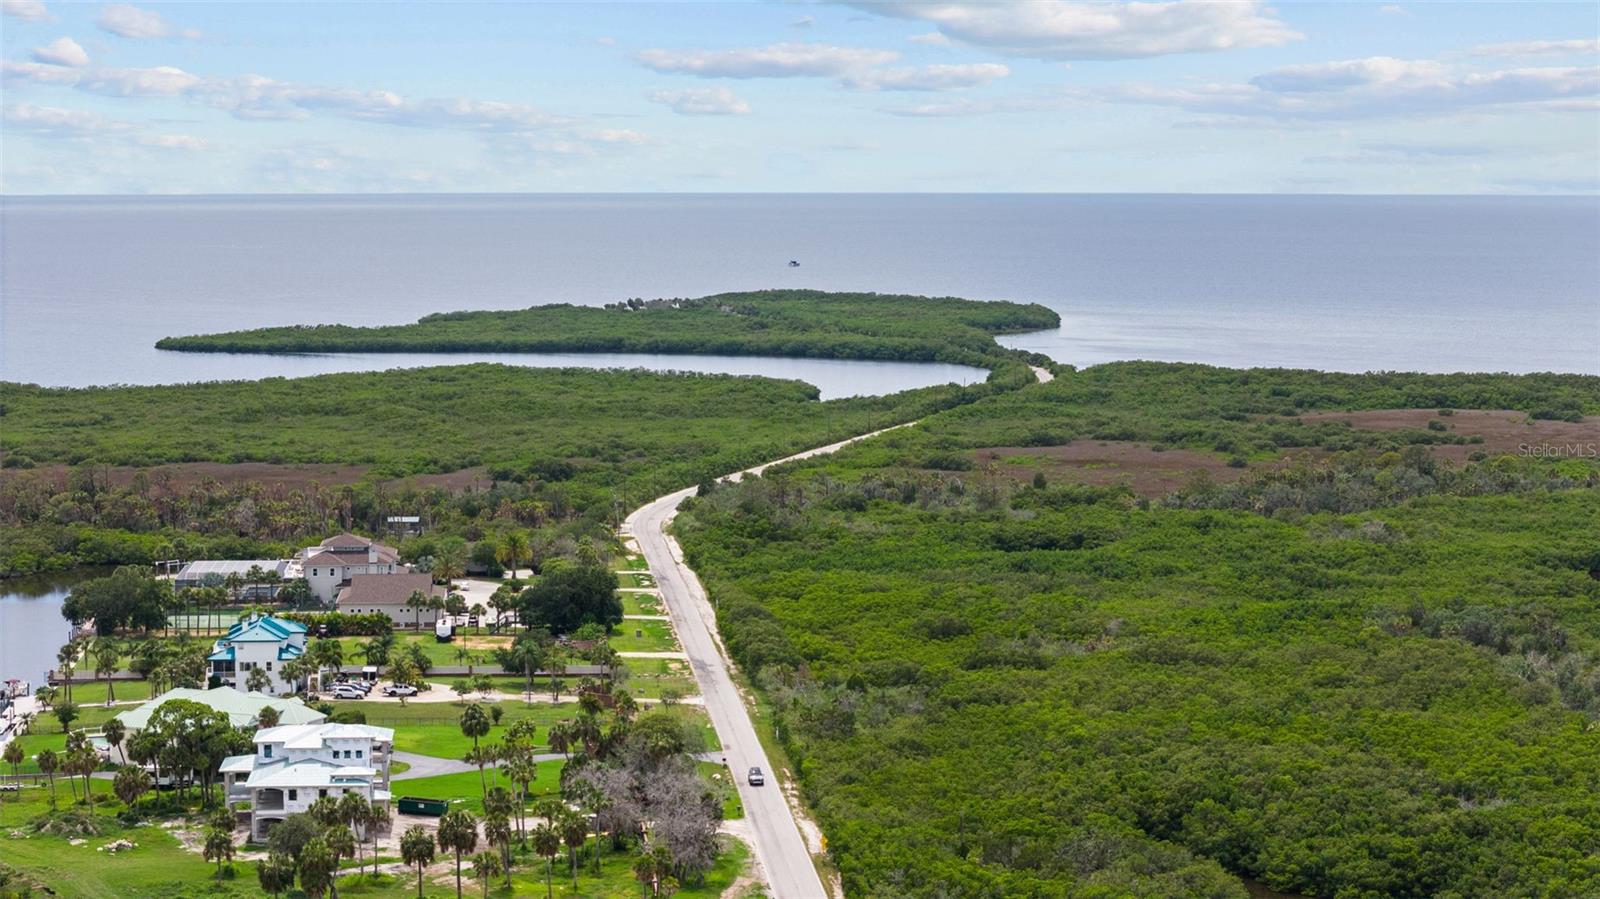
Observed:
{"x":46,"y":733}
{"x":640,"y":604}
{"x":654,"y":636}
{"x":634,"y":563}
{"x":439,"y":654}
{"x":721,"y":781}
{"x":433,"y":728}
{"x":95,"y":693}
{"x":464,"y":789}
{"x":636,"y":579}
{"x":615,"y":880}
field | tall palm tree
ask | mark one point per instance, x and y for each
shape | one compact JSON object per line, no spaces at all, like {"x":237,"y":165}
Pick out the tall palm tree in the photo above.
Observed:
{"x":47,"y":762}
{"x":106,"y":652}
{"x":497,"y":830}
{"x":513,"y":549}
{"x":416,"y":848}
{"x":258,"y":680}
{"x":547,"y":842}
{"x":114,"y":731}
{"x":416,"y":602}
{"x":475,"y":723}
{"x":131,"y":783}
{"x":458,"y":834}
{"x":574,"y":832}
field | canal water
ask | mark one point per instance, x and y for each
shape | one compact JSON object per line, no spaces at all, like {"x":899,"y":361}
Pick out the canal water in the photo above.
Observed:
{"x":31,"y":626}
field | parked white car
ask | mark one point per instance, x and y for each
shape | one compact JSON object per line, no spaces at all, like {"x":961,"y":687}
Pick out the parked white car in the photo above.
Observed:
{"x":347,"y":691}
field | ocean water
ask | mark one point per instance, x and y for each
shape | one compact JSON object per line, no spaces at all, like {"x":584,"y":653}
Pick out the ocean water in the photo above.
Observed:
{"x":87,"y":285}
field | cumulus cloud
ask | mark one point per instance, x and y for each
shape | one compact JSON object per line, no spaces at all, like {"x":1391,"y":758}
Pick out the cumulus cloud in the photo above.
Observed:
{"x":63,"y":51}
{"x":1391,"y":9}
{"x":927,"y":78}
{"x":787,"y":60}
{"x":124,"y":20}
{"x":26,"y":10}
{"x":702,"y":101}
{"x":1096,"y":30}
{"x":1580,"y":47}
{"x":930,"y":39}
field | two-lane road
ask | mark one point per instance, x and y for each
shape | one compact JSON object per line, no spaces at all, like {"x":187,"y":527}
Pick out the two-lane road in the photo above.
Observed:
{"x":778,"y":844}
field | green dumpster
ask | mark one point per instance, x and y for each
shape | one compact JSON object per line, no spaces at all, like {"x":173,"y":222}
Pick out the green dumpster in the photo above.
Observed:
{"x":412,"y":805}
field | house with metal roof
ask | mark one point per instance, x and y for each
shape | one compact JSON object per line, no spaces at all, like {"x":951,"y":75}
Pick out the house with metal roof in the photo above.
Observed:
{"x":242,"y":709}
{"x":258,"y":641}
{"x":295,"y":765}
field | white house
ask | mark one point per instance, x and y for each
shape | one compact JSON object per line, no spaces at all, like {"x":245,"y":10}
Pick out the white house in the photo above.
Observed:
{"x":295,"y":765}
{"x":331,"y":564}
{"x":259,"y":641}
{"x":387,"y":594}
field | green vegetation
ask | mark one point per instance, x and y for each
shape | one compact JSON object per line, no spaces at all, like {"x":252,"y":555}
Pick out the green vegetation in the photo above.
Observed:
{"x":563,"y":452}
{"x":993,"y":689}
{"x":763,"y":323}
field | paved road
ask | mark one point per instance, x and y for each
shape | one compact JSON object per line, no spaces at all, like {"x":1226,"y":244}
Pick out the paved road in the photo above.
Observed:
{"x":779,"y":846}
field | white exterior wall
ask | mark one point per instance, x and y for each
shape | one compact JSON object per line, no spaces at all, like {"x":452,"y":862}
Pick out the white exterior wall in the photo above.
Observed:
{"x":324,"y":580}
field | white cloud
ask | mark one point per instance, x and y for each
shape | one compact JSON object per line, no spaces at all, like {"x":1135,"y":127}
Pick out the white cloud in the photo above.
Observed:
{"x":606,"y":41}
{"x":1375,"y":87}
{"x":1096,"y":30}
{"x":931,"y":39}
{"x":50,"y":121}
{"x":1580,"y":47}
{"x":158,"y":81}
{"x":175,"y":142}
{"x":63,"y":51}
{"x":788,"y":60}
{"x":26,"y":10}
{"x":702,"y":101}
{"x":130,"y":21}
{"x":803,"y":22}
{"x":1325,"y":76}
{"x":39,"y":73}
{"x":927,"y":78}
{"x":1390,"y":9}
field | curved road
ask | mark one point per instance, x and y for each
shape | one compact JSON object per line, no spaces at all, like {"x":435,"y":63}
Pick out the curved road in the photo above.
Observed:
{"x":778,"y":843}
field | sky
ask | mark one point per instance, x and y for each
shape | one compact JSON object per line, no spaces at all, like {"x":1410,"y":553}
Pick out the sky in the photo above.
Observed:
{"x":1184,"y":97}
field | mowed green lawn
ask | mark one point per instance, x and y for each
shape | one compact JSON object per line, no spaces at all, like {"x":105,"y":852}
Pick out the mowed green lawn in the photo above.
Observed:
{"x":434,"y":728}
{"x":634,"y":635}
{"x":46,"y":733}
{"x":640,"y":604}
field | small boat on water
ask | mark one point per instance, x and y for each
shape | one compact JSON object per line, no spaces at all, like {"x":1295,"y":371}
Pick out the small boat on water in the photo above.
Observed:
{"x":794,"y":263}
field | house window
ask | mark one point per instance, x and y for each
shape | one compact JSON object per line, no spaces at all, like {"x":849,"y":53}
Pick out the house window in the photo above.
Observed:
{"x":266,"y":751}
{"x":358,"y":753}
{"x":313,"y":572}
{"x":269,"y":666}
{"x":321,"y":793}
{"x":294,"y":795}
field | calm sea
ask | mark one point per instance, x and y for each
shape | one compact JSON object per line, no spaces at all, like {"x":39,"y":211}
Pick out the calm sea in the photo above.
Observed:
{"x":1343,"y":283}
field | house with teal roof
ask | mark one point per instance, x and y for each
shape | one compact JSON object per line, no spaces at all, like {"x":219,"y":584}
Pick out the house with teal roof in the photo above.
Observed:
{"x":259,"y":641}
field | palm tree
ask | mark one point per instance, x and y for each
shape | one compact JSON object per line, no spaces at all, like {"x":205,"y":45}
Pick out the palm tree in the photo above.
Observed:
{"x":485,"y":865}
{"x":458,"y":833}
{"x":66,"y":658}
{"x":416,"y":848}
{"x":114,"y":731}
{"x":475,"y":724}
{"x":106,"y":652}
{"x":403,"y":673}
{"x":574,"y":832}
{"x":14,"y":756}
{"x":378,"y":818}
{"x":547,"y":842}
{"x":449,"y":564}
{"x":463,"y":654}
{"x":45,"y":696}
{"x":342,"y":843}
{"x":356,"y":812}
{"x":267,"y":717}
{"x":234,"y":583}
{"x":316,"y":867}
{"x":479,"y":612}
{"x":416,"y":602}
{"x":258,"y":680}
{"x":218,"y":847}
{"x":47,"y":762}
{"x":275,"y":873}
{"x":132,"y":782}
{"x":497,"y":830}
{"x":513,"y":549}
